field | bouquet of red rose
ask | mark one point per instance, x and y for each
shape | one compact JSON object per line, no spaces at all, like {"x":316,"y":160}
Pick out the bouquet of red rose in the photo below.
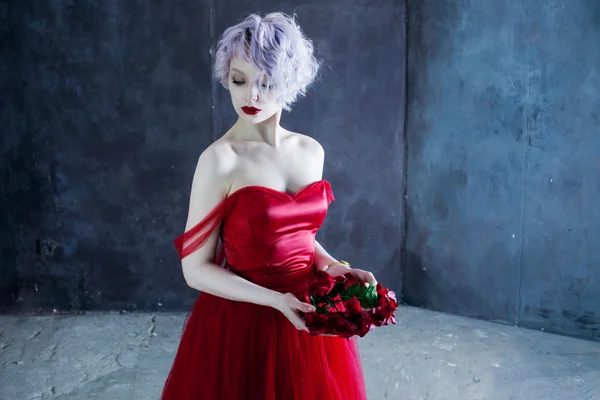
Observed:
{"x":346,"y":307}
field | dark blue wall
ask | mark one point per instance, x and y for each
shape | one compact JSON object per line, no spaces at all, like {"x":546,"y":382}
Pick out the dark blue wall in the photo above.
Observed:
{"x":105,"y":105}
{"x":106,"y":108}
{"x":504,"y":161}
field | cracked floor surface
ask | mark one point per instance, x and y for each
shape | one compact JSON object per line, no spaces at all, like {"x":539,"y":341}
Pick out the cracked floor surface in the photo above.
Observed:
{"x":426,"y":356}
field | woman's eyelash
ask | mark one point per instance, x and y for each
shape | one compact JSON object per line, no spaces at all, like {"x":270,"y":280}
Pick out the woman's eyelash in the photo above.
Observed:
{"x":241,"y":83}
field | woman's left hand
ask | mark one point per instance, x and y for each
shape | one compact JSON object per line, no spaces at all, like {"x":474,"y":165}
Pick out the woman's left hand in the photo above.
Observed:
{"x":364,"y":276}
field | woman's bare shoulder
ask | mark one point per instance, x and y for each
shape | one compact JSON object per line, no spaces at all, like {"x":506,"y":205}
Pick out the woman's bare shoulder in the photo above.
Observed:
{"x":218,"y":157}
{"x":309,"y":145}
{"x":214,"y":167}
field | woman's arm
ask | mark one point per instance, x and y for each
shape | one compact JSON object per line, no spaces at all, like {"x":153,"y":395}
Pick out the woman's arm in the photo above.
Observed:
{"x":322,"y":259}
{"x":199,"y":269}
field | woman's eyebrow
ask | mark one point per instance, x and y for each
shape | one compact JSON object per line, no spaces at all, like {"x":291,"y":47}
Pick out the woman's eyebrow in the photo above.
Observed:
{"x":237,"y":70}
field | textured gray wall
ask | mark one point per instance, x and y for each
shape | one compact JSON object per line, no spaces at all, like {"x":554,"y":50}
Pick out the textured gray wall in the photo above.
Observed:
{"x":504,"y":161}
{"x":107,"y":106}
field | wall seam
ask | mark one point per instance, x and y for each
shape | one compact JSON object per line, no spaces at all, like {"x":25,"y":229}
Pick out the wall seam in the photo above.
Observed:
{"x":525,"y":137}
{"x":404,"y":138}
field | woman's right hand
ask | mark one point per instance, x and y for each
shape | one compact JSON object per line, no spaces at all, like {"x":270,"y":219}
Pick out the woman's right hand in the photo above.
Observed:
{"x":289,"y":305}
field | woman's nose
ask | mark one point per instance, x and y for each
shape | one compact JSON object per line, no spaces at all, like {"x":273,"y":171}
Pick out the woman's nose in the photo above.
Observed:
{"x":253,"y":93}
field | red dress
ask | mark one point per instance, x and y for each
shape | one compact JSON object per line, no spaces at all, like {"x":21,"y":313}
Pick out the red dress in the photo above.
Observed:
{"x":232,"y":350}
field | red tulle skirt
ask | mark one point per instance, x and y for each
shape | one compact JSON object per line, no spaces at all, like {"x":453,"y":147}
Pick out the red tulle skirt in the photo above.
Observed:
{"x":232,"y":350}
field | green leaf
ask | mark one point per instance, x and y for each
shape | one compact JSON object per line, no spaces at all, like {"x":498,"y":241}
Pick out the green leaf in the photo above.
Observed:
{"x":368,"y":296}
{"x":355,"y":289}
{"x":371,"y":296}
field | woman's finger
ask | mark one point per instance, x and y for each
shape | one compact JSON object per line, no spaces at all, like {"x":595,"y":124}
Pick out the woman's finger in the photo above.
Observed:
{"x":297,"y":321}
{"x":305,"y":307}
{"x":300,"y":325}
{"x":371,"y":279}
{"x":362,"y":275}
{"x":368,"y":278}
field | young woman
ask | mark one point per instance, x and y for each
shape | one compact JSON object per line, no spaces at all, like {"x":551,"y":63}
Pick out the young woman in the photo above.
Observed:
{"x":257,"y":201}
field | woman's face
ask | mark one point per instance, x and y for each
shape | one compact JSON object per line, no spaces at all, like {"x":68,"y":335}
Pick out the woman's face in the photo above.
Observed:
{"x":244,"y":90}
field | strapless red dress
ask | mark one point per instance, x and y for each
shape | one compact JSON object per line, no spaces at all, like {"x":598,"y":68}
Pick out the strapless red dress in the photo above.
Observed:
{"x":232,"y":350}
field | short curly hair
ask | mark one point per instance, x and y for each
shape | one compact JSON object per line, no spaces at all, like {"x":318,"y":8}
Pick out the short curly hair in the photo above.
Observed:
{"x":278,"y":47}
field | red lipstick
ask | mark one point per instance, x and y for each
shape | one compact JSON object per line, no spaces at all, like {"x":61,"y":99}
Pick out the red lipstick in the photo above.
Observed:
{"x":250,"y":110}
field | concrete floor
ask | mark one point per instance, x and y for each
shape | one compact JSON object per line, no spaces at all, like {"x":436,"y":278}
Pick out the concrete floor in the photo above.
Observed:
{"x":427,"y":355}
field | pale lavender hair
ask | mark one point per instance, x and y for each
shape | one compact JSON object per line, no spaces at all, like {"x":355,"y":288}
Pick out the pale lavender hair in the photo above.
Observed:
{"x":278,"y":47}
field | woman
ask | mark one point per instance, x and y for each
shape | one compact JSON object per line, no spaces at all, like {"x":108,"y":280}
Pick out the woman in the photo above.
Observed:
{"x":259,"y":189}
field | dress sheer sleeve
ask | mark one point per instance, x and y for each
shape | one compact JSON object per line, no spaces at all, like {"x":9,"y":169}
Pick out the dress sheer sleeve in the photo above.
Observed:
{"x":330,"y":196}
{"x":195,"y":237}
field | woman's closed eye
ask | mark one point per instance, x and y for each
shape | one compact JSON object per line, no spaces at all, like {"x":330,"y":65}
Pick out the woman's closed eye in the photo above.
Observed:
{"x":240,"y":83}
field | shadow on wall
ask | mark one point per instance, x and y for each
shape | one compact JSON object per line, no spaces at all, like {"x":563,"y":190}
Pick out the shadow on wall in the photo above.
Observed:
{"x":26,"y":197}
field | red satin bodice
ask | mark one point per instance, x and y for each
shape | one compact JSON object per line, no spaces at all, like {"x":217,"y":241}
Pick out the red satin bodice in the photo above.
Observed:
{"x":267,"y":235}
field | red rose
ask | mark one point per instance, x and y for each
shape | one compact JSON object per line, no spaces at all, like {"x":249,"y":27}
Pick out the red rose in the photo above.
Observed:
{"x":358,"y":317}
{"x":384,"y":312}
{"x":350,"y":280}
{"x":316,"y":323}
{"x":339,"y":325}
{"x":321,"y":284}
{"x":379,"y":316}
{"x":337,"y":298}
{"x":391,"y":303}
{"x":324,"y":306}
{"x":352,"y":304}
{"x":384,"y":292}
{"x":339,"y":304}
{"x":383,"y":301}
{"x":362,"y":323}
{"x":392,"y":296}
{"x":380,"y":289}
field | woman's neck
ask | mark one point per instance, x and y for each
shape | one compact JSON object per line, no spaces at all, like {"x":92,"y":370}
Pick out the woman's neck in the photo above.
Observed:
{"x":268,"y":131}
